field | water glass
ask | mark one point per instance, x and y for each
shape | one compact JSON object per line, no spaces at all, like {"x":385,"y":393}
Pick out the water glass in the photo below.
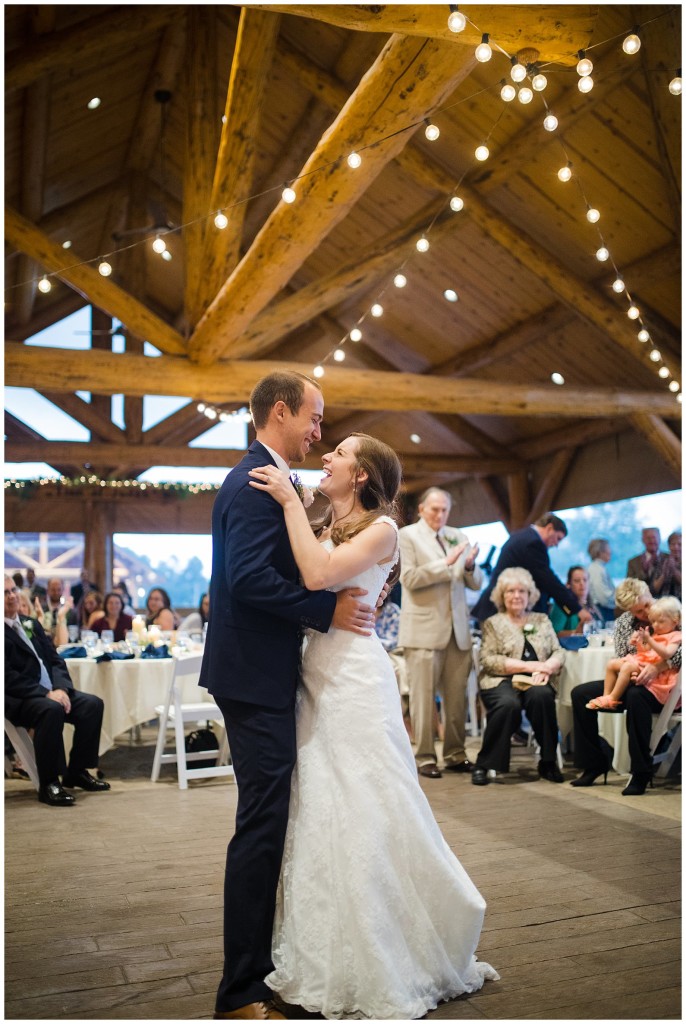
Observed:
{"x":182,"y":641}
{"x":107,"y":638}
{"x":73,"y":632}
{"x":132,"y":643}
{"x":89,"y":639}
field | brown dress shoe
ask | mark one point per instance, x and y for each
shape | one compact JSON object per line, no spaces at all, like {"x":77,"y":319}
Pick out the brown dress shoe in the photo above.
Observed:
{"x":252,"y":1011}
{"x":430,"y":771}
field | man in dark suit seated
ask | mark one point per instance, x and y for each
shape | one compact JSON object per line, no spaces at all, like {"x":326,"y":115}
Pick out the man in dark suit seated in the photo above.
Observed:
{"x":528,"y":549}
{"x":39,"y":695}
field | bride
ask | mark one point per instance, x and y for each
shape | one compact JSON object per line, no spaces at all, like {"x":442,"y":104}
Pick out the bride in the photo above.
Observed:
{"x":376,"y":918}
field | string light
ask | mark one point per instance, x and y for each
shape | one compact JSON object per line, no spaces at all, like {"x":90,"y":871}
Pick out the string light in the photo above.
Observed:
{"x":585,"y":65}
{"x":104,"y":268}
{"x":456,"y":19}
{"x":94,"y":103}
{"x":508,"y":92}
{"x":339,"y":355}
{"x":585,"y":84}
{"x":618,"y":285}
{"x":674,"y":385}
{"x":432,"y":131}
{"x":288,"y":195}
{"x":633,"y":312}
{"x":539,"y":82}
{"x":400,"y":280}
{"x":592,"y":215}
{"x":356,"y":334}
{"x":166,"y":255}
{"x":451,"y":295}
{"x":679,"y":399}
{"x":550,"y":122}
{"x":518,"y":71}
{"x":675,"y":84}
{"x":64,"y":483}
{"x":201,"y":407}
{"x":602,"y":254}
{"x":354,"y":160}
{"x":422,"y":244}
{"x":655,"y":355}
{"x":632,"y":43}
{"x":415,"y":439}
{"x":456,"y":204}
{"x":565,"y":173}
{"x":221,"y":221}
{"x":525,"y":95}
{"x":663,"y":372}
{"x":67,"y":244}
{"x":159,"y":245}
{"x":44,"y":285}
{"x":482,"y":153}
{"x":483,"y":52}
{"x":643,"y":335}
{"x":318,"y":371}
{"x":377,"y":309}
{"x":557,"y":378}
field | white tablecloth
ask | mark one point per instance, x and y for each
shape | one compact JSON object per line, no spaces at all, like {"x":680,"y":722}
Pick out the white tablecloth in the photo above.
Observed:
{"x":130,"y":690}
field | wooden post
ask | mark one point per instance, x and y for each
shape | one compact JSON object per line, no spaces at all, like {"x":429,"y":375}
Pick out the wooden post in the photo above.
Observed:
{"x":518,"y":494}
{"x":98,"y":554}
{"x":550,"y":487}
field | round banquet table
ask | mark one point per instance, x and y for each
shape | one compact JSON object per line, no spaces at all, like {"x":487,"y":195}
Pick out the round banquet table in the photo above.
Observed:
{"x":130,"y":690}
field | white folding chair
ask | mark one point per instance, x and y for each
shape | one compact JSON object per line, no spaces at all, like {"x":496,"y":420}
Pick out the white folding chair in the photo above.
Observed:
{"x":667,"y":720}
{"x":23,"y":744}
{"x":173,"y":715}
{"x":477,"y":715}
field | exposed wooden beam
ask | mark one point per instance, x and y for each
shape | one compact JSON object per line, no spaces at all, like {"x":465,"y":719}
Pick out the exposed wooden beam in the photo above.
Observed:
{"x":85,"y":42}
{"x":74,"y":218}
{"x":518,"y":498}
{"x":576,"y":434}
{"x":145,"y":137}
{"x":408,"y":79}
{"x":82,"y":411}
{"x":550,"y":486}
{"x":16,"y":430}
{"x":656,"y":102}
{"x":98,"y":290}
{"x":59,"y":370}
{"x":493,"y":495}
{"x":46,"y":316}
{"x":663,"y":441}
{"x":556,"y":32}
{"x":233,"y":173}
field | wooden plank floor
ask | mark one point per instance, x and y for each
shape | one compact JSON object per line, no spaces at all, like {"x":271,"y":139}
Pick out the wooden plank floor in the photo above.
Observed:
{"x":114,"y":906}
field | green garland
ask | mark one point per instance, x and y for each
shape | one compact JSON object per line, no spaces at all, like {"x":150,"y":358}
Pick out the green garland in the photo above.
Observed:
{"x":29,"y":487}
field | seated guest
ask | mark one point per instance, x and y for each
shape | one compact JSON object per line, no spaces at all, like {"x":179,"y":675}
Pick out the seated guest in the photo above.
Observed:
{"x":671,"y":584}
{"x":652,"y":564}
{"x":58,"y":609}
{"x":79,"y":590}
{"x":640,"y":702}
{"x":18,"y":578}
{"x":35,"y":588}
{"x":114,"y":618}
{"x":25,"y":607}
{"x":601,"y":588}
{"x":159,"y":609}
{"x":39,"y":695}
{"x":122,"y":590}
{"x":513,"y":642}
{"x":90,"y":609}
{"x":565,"y":625}
{"x":194,"y":622}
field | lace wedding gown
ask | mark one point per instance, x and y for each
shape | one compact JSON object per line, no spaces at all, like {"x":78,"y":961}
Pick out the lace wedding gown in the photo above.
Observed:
{"x":376,"y":918}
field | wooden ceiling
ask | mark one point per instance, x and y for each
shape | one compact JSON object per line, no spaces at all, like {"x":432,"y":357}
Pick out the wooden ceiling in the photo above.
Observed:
{"x":207,"y":108}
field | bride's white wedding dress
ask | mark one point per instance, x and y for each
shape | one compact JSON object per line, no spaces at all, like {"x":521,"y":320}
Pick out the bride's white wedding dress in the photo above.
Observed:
{"x":376,"y":918}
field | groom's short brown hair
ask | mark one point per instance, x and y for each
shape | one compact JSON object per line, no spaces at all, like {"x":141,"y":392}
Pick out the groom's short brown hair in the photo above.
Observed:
{"x":286,"y":386}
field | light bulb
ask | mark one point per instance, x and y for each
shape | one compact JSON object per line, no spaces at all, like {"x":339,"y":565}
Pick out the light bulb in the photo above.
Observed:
{"x":450,"y":294}
{"x":159,"y":245}
{"x":585,"y":84}
{"x":104,"y":268}
{"x":565,"y":173}
{"x":643,"y":335}
{"x":675,"y":86}
{"x":66,"y":245}
{"x":318,"y":371}
{"x":377,"y":309}
{"x":632,"y":44}
{"x":221,"y":221}
{"x":166,"y":255}
{"x":655,"y":355}
{"x":508,"y":93}
{"x":618,"y":285}
{"x":592,"y":215}
{"x":211,"y":413}
{"x":456,"y":21}
{"x":422,"y":244}
{"x":679,"y":399}
{"x":602,"y":254}
{"x":415,"y":439}
{"x":483,"y":52}
{"x":44,"y":285}
{"x":663,"y":372}
{"x":550,"y":122}
{"x":518,"y":73}
{"x":539,"y":82}
{"x":584,"y":67}
{"x":525,"y":95}
{"x":482,"y":153}
{"x":400,"y":280}
{"x":339,"y":355}
{"x":557,"y":378}
{"x":432,"y":132}
{"x":674,"y":385}
{"x":224,"y":417}
{"x":633,"y":312}
{"x":201,"y":407}
{"x":356,"y":334}
{"x":94,"y":103}
{"x":456,"y":204}
{"x":288,"y":195}
{"x":354,"y":160}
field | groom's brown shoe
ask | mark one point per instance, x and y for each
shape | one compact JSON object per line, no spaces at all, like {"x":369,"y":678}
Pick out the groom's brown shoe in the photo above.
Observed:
{"x":252,"y":1011}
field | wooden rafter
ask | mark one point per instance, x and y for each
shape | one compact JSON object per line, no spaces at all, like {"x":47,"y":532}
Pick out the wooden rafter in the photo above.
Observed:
{"x":233,"y":174}
{"x":85,"y":279}
{"x":493,"y":495}
{"x":557,"y":36}
{"x":407,"y":80}
{"x":83,"y":412}
{"x":580,"y":433}
{"x":60,"y":370}
{"x":663,"y":441}
{"x":550,"y":486}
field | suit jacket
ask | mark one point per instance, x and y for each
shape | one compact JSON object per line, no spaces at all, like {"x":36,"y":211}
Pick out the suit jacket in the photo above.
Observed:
{"x":258,"y":608}
{"x":636,"y":569}
{"x":433,"y":602}
{"x":22,"y":670}
{"x":525,"y":549}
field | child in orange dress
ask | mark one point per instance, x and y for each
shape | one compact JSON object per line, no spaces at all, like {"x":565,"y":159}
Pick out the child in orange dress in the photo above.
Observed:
{"x":665,"y":620}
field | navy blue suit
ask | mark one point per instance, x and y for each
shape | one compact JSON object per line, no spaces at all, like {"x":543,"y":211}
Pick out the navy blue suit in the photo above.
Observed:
{"x":525,"y":549}
{"x":257,"y":613}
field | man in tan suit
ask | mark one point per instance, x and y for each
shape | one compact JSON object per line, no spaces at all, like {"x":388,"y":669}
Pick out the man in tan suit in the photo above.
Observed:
{"x":436,"y":564}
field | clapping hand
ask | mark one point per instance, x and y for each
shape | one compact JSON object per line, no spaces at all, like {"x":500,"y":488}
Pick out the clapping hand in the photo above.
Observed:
{"x":470,"y":560}
{"x":455,"y":552}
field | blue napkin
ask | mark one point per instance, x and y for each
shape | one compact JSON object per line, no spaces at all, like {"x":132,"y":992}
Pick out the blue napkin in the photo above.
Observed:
{"x":573,"y":643}
{"x":113,"y":656}
{"x":156,"y":652}
{"x":74,"y":652}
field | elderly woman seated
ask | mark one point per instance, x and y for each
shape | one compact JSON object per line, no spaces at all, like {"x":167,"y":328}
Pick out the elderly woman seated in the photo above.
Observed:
{"x":520,"y":655}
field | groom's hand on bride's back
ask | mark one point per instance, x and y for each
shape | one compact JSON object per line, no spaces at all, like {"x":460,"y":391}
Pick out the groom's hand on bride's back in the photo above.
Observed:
{"x":351,"y":614}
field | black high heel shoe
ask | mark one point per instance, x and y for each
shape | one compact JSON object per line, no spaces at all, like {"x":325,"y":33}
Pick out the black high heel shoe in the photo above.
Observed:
{"x":589,"y":777}
{"x":638,"y":784}
{"x":549,"y":771}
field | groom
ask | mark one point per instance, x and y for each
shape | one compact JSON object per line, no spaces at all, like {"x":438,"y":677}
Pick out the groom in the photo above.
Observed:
{"x":250,"y":666}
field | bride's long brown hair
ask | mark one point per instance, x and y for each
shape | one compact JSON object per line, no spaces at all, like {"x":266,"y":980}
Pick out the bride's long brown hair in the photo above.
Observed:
{"x":377,"y":494}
